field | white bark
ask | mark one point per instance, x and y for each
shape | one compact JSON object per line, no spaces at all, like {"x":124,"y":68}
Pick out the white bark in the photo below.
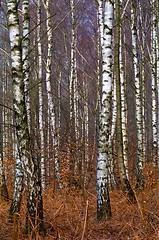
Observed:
{"x":123,"y":108}
{"x":51,"y":105}
{"x":18,"y":185}
{"x":139,"y":120}
{"x":100,"y":20}
{"x":154,"y":60}
{"x":19,"y":100}
{"x":86,"y":123}
{"x":3,"y":186}
{"x":72,"y":83}
{"x":73,"y":95}
{"x":59,"y":120}
{"x":103,"y":204}
{"x":22,"y":130}
{"x":76,"y":100}
{"x":25,"y":55}
{"x":142,"y":45}
{"x":41,"y":124}
{"x":59,"y":108}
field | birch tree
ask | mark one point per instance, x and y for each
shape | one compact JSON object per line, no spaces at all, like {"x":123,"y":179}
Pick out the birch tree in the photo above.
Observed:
{"x":18,"y":186}
{"x":72,"y":91}
{"x":154,"y":74}
{"x":123,"y":103}
{"x":103,"y":201}
{"x":86,"y":123}
{"x":138,"y":94}
{"x":25,"y":55}
{"x":39,"y":76}
{"x":143,"y":87}
{"x":51,"y":103}
{"x":34,"y":198}
{"x":125,"y":184}
{"x":19,"y":173}
{"x":3,"y":186}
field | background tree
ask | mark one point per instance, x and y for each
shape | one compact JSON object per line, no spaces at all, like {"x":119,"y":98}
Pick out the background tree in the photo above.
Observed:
{"x":125,"y":184}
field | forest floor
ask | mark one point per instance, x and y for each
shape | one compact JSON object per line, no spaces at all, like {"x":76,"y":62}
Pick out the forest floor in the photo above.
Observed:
{"x":68,"y":217}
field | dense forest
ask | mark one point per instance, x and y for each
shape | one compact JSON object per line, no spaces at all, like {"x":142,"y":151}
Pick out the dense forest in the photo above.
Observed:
{"x":79,"y":119}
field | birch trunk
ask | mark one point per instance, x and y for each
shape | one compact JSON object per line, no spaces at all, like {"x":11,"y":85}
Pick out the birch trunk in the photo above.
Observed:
{"x":73,"y":134}
{"x":51,"y":104}
{"x":59,"y":121}
{"x":98,"y":75}
{"x":143,"y":88}
{"x":86,"y":124}
{"x":18,"y":186}
{"x":154,"y":74}
{"x":138,"y":94}
{"x":103,"y":201}
{"x":34,"y":210}
{"x":25,"y":55}
{"x":3,"y":186}
{"x":112,"y":165}
{"x":123,"y":106}
{"x":125,"y":185}
{"x":41,"y":124}
{"x":157,"y":68}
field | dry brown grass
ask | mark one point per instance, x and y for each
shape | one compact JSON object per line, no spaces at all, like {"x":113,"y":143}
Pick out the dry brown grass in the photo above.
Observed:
{"x":67,"y":217}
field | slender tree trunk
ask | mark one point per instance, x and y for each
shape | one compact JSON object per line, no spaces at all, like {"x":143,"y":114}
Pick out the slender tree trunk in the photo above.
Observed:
{"x":41,"y":123}
{"x":103,"y":201}
{"x":73,"y":132}
{"x":18,"y":187}
{"x":34,"y":210}
{"x":125,"y":185}
{"x":154,"y":74}
{"x":123,"y":106}
{"x":86,"y":123}
{"x":143,"y":87}
{"x":51,"y":104}
{"x":139,"y":120}
{"x":25,"y":55}
{"x":19,"y":173}
{"x":3,"y":185}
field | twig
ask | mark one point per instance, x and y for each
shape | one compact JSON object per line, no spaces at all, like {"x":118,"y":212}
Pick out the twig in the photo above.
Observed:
{"x":85,"y":220}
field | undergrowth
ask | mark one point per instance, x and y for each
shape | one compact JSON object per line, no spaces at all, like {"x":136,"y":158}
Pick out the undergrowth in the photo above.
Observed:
{"x":66,"y":217}
{"x":70,"y":216}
